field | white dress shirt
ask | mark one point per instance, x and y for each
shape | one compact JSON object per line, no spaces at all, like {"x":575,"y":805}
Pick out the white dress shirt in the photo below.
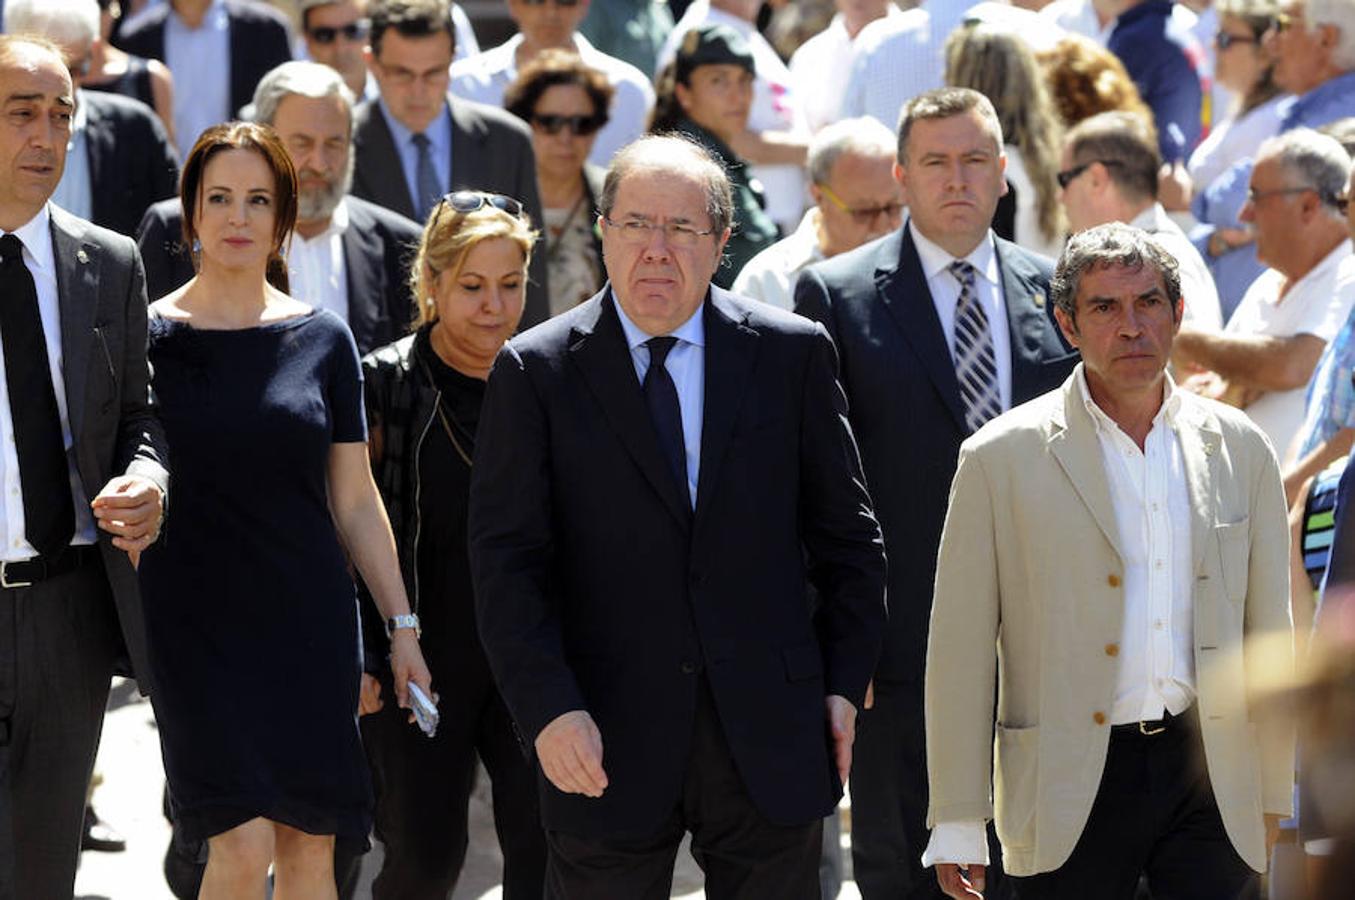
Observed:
{"x":315,"y":266}
{"x":686,"y":365}
{"x":484,"y":79}
{"x":1202,"y":308}
{"x":771,"y":275}
{"x":945,"y":291}
{"x":1316,"y":304}
{"x":200,"y":60}
{"x":36,"y":236}
{"x":820,"y":68}
{"x":1151,"y":499}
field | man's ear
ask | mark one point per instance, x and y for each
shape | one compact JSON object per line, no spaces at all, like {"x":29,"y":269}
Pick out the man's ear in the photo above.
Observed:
{"x":1067,"y":324}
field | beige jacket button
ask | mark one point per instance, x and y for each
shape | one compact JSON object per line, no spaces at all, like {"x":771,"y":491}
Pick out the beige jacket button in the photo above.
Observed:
{"x":1112,"y":649}
{"x":1113,"y":580}
{"x":1099,"y":718}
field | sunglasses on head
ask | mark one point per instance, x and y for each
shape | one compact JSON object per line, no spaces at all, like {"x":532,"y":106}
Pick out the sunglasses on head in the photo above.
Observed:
{"x":577,"y":125}
{"x":465,"y":202}
{"x":353,"y":31}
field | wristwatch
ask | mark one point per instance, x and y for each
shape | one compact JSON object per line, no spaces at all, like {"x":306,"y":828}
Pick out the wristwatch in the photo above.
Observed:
{"x":408,"y":620}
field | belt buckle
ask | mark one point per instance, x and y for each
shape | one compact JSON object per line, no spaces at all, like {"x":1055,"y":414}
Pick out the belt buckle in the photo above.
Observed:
{"x":1145,"y":730}
{"x":4,"y":578}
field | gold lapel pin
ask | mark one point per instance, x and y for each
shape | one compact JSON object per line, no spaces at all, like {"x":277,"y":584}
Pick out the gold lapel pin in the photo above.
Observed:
{"x":82,"y":256}
{"x":1039,"y":301}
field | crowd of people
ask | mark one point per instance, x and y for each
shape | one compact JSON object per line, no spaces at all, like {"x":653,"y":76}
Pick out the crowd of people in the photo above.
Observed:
{"x":684,"y":411}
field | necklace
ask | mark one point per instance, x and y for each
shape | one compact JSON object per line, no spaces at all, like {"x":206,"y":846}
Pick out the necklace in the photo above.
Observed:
{"x":553,"y":246}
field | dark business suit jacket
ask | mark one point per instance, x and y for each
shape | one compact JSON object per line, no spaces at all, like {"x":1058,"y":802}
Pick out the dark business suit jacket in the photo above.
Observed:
{"x":491,"y":151}
{"x":378,"y":249}
{"x":260,"y":40}
{"x":599,"y":588}
{"x":102,"y":298}
{"x":906,"y":410}
{"x":131,"y":161}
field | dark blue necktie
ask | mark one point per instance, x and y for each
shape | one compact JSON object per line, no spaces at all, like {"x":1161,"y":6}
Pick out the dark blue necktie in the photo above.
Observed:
{"x":662,"y":397}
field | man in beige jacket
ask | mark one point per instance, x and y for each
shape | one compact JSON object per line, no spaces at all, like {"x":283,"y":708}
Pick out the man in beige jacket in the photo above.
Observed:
{"x":1114,"y":564}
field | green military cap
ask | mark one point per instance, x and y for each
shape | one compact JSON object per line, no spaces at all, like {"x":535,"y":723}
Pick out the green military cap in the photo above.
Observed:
{"x":712,"y":45}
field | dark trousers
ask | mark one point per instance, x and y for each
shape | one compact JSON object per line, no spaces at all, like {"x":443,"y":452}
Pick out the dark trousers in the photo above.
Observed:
{"x":742,"y":854}
{"x":58,"y":642}
{"x":1154,"y":815}
{"x":423,"y":788}
{"x":889,"y":802}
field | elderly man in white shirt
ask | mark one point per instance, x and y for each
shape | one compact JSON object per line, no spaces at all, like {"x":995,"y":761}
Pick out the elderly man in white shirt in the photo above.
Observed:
{"x":551,"y":24}
{"x":856,"y":200}
{"x":1263,"y":359}
{"x":822,"y":65}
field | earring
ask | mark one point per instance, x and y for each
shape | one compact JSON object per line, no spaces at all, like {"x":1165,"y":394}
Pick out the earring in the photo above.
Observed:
{"x":197,"y":246}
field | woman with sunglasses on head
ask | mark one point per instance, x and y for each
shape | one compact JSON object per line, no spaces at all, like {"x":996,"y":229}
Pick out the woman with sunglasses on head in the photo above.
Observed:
{"x":251,"y":614}
{"x":423,"y":396}
{"x":565,"y":102}
{"x":706,"y":94}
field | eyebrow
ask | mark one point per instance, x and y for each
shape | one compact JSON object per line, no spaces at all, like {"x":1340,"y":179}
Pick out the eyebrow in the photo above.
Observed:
{"x":253,"y":190}
{"x":62,"y":100}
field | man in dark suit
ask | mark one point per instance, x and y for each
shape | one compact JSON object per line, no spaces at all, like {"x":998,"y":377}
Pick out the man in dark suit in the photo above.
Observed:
{"x":75,"y":409}
{"x":659,"y":474}
{"x":416,"y":143}
{"x":939,"y":327}
{"x":346,"y":254}
{"x":217,"y":51}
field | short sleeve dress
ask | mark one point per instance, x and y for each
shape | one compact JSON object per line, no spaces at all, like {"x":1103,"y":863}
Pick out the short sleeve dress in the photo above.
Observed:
{"x":251,"y":615}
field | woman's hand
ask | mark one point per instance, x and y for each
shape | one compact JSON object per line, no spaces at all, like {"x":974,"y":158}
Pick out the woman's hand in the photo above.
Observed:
{"x":407,"y":665}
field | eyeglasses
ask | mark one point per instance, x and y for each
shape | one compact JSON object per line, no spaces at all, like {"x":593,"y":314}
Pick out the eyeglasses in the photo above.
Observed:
{"x":1068,"y":176}
{"x":1255,"y":196}
{"x":402,"y":77}
{"x":637,"y":232}
{"x":1223,"y":40}
{"x":353,"y":31}
{"x":464,"y":202}
{"x":577,"y":125}
{"x":862,"y":215}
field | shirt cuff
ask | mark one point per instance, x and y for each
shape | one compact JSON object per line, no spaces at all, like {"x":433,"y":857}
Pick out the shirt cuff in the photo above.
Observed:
{"x":961,"y":843}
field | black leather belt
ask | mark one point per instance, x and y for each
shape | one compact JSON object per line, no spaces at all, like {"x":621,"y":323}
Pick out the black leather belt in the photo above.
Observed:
{"x":1154,"y":727}
{"x":27,"y":572}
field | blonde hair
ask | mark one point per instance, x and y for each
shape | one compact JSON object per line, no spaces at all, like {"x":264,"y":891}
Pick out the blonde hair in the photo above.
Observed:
{"x":448,"y":239}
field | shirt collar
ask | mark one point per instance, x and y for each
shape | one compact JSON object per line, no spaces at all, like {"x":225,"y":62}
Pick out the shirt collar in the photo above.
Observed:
{"x":1339,"y":254}
{"x":1167,"y":412}
{"x":215,"y":18}
{"x":935,"y":260}
{"x":1331,"y":89}
{"x":338,"y":224}
{"x":693,"y":331}
{"x":36,"y":236}
{"x":439,"y":131}
{"x":1151,"y":219}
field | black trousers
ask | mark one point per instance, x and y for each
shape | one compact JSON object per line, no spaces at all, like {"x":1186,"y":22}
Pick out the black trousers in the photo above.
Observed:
{"x":423,"y":788}
{"x":58,"y":642}
{"x":889,"y":802}
{"x":742,"y":854}
{"x":1154,"y":815}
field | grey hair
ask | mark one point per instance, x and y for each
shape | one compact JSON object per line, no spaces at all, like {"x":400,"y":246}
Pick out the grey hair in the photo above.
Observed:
{"x":1317,"y":160}
{"x":667,"y":152}
{"x":865,"y":136}
{"x":304,"y":79}
{"x":74,"y":22}
{"x":1340,"y":14}
{"x":1113,"y":244}
{"x":943,"y":103}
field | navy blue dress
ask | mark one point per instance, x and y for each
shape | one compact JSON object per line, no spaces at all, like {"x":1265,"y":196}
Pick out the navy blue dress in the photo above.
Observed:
{"x":251,"y":615}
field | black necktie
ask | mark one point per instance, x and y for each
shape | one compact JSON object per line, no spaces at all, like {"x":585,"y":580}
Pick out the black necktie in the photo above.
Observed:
{"x":49,"y":511}
{"x":662,"y":397}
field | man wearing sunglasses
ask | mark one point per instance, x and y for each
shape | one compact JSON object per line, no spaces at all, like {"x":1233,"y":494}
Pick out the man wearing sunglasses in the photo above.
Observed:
{"x":416,"y":142}
{"x":856,"y":200}
{"x":554,"y":24}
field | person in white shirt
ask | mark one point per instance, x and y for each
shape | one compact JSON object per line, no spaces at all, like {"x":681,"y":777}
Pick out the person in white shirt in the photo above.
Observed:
{"x":553,"y":24}
{"x":1263,"y":359}
{"x":819,"y":69}
{"x":1109,"y":173}
{"x":856,"y":200}
{"x":1110,"y":551}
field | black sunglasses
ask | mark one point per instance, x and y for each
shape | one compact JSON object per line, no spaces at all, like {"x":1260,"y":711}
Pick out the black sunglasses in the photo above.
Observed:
{"x":577,"y":125}
{"x":465,"y":202}
{"x":1223,"y":40}
{"x":1068,"y":176}
{"x":544,"y":2}
{"x":353,"y":31}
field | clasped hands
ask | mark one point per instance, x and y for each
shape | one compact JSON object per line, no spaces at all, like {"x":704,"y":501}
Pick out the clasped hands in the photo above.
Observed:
{"x":131,"y":508}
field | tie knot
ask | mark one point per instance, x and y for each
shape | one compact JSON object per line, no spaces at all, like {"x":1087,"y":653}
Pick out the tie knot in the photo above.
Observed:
{"x":11,"y":249}
{"x":420,"y":140}
{"x":659,"y":348}
{"x":963,"y":271}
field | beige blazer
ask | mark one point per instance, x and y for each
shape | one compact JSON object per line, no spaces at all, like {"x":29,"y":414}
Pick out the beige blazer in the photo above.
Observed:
{"x":1029,"y":601}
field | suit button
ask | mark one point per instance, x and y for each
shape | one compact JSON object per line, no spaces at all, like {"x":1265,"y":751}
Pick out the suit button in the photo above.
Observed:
{"x":1112,"y":649}
{"x":687,"y":668}
{"x":1099,"y":717}
{"x":1113,"y":580}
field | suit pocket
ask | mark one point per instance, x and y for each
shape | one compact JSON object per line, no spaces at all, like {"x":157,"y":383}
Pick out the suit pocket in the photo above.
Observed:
{"x":1234,"y":557}
{"x":101,"y":341}
{"x":1016,"y":786}
{"x":803,"y":661}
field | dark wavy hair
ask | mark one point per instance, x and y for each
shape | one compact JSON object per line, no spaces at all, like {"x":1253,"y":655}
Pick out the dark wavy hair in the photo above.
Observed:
{"x":256,"y":138}
{"x":553,"y":68}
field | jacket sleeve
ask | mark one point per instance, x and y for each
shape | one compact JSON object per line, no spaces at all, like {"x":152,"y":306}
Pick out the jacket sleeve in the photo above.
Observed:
{"x":141,"y":448}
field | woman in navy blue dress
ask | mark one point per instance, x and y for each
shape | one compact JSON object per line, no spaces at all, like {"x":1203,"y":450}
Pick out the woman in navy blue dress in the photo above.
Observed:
{"x":250,"y":608}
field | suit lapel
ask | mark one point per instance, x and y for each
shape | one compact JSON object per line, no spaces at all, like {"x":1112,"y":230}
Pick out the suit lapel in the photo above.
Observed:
{"x":470,"y":166}
{"x":77,"y":288}
{"x":1074,"y":444}
{"x":598,"y":348}
{"x":1200,"y":440}
{"x":366,"y":290}
{"x":903,"y":291}
{"x":731,"y":348}
{"x":385,"y":171}
{"x":1033,"y":338}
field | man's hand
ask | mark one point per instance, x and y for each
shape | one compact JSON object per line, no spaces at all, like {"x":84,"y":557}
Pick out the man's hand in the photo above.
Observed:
{"x":570,"y":750}
{"x":130,"y":508}
{"x":369,"y":696}
{"x":1272,"y":831}
{"x":954,"y":883}
{"x":842,"y":726}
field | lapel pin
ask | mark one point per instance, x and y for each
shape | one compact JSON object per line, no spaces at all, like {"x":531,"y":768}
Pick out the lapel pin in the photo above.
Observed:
{"x":82,"y":256}
{"x":1039,"y":301}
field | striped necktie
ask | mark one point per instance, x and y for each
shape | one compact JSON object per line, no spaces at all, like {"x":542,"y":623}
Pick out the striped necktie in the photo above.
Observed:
{"x":975,"y":363}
